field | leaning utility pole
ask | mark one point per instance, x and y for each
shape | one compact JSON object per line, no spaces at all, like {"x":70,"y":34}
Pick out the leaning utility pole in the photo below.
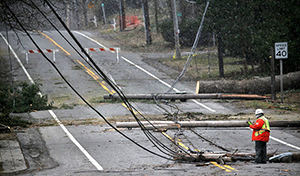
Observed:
{"x":147,"y":22}
{"x":176,"y":30}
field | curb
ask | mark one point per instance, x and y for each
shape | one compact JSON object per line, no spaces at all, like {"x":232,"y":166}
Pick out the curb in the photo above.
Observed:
{"x":11,"y":157}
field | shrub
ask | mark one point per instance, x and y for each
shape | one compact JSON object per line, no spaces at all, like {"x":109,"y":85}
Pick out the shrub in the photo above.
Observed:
{"x":5,"y":119}
{"x":188,"y":31}
{"x":167,"y":30}
{"x":6,"y":100}
{"x":26,"y":98}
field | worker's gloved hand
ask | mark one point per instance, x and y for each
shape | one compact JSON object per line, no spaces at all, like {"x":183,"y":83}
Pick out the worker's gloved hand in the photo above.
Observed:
{"x":249,"y":122}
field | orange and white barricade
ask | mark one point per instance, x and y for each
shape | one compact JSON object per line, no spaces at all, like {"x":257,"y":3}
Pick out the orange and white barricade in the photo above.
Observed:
{"x":43,"y":50}
{"x":113,"y":50}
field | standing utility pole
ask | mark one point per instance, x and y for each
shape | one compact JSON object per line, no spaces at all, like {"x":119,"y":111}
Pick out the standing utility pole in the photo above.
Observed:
{"x":272,"y":58}
{"x":122,"y":16}
{"x":103,"y":10}
{"x":176,"y":30}
{"x":77,"y":15}
{"x":220,"y":55}
{"x":147,"y":22}
{"x":68,"y":16}
{"x":84,"y":11}
{"x":156,"y":14}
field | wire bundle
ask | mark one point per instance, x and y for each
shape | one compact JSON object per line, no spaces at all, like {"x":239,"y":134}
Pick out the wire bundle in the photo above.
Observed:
{"x":169,"y":153}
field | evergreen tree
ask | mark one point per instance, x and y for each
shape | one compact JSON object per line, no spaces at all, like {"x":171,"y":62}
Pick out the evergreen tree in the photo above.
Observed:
{"x":249,"y":28}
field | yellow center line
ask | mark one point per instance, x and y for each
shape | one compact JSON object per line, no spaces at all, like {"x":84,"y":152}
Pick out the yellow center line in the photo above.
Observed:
{"x":179,"y":143}
{"x":54,"y":43}
{"x":216,"y":164}
{"x":90,"y":72}
{"x":135,"y":112}
{"x":96,"y":78}
{"x":229,"y":167}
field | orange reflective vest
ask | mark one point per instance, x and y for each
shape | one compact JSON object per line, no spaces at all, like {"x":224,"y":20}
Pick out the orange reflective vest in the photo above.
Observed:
{"x":261,"y":130}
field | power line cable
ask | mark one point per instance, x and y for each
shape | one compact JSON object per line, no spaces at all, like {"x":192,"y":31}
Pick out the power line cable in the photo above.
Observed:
{"x":192,"y":51}
{"x":147,"y":133}
{"x":116,"y":88}
{"x":75,"y":89}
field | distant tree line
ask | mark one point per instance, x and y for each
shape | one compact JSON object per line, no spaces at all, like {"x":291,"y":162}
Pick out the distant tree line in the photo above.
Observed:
{"x":242,"y":28}
{"x":249,"y":28}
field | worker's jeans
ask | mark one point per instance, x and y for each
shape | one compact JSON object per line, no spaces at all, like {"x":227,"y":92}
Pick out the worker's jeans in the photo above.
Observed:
{"x":261,"y":152}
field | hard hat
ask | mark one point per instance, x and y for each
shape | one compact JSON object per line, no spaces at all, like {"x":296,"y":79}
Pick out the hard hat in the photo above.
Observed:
{"x":259,"y":111}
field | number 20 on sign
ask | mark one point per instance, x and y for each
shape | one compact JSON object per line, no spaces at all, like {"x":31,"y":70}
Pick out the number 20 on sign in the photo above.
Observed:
{"x":281,"y":50}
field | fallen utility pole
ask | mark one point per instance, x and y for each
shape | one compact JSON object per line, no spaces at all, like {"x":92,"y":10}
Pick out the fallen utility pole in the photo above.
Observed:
{"x":184,"y":97}
{"x":209,"y":123}
{"x":227,"y":157}
{"x":4,"y":128}
{"x":221,"y":158}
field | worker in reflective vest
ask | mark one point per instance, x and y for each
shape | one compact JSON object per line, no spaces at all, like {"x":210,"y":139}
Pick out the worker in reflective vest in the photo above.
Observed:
{"x":260,"y":134}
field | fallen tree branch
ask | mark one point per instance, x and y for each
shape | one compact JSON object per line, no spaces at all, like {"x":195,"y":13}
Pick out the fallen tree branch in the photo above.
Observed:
{"x":259,"y":86}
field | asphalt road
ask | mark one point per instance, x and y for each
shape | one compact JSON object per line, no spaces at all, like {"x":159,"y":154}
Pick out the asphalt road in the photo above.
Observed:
{"x":118,"y":156}
{"x":98,"y":150}
{"x":131,"y":74}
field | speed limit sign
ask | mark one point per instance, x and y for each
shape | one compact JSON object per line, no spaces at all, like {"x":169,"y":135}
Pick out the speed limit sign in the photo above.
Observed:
{"x":281,"y":50}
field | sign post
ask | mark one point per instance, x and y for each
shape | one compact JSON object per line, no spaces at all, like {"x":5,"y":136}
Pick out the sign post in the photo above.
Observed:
{"x":281,"y":52}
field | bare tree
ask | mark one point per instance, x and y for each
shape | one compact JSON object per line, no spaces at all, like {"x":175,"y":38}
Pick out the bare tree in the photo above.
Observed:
{"x":26,"y":11}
